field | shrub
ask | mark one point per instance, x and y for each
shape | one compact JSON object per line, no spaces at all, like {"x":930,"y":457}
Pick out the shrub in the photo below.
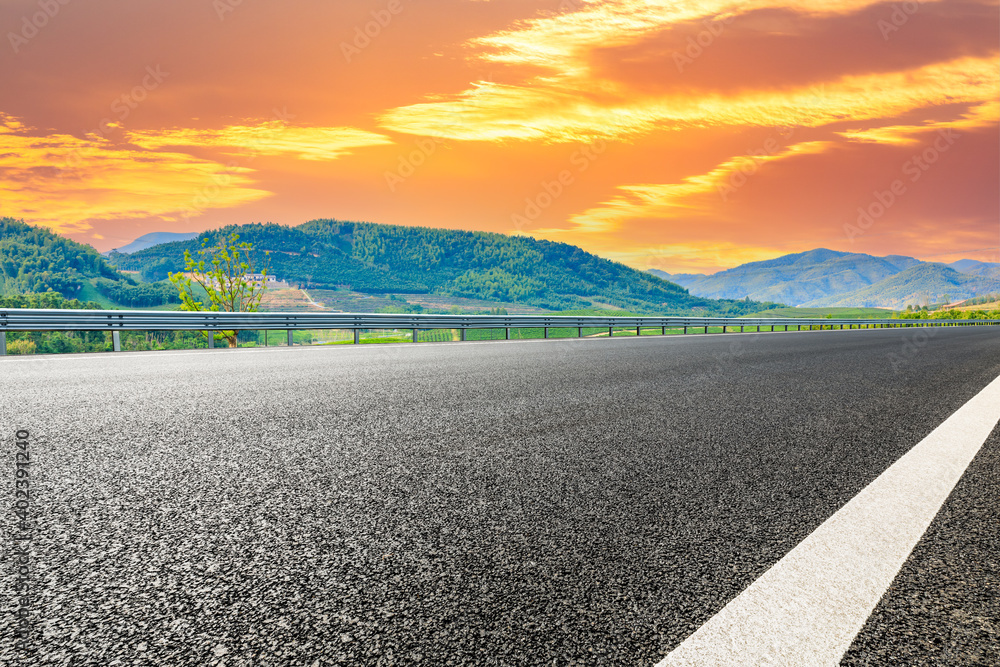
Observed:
{"x":21,"y":346}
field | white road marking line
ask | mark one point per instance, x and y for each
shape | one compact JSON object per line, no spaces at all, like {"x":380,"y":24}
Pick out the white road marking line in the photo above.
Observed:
{"x":807,"y":609}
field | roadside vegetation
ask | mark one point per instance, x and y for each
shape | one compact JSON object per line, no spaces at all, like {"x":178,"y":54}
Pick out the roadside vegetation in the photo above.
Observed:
{"x":922,"y":313}
{"x":224,"y":273}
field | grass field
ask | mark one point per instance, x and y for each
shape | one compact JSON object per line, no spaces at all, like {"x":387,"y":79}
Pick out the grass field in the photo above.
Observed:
{"x":89,"y":293}
{"x":992,"y":305}
{"x":841,"y":313}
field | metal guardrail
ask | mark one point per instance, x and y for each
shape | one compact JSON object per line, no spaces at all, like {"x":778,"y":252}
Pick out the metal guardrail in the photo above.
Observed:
{"x":116,"y":321}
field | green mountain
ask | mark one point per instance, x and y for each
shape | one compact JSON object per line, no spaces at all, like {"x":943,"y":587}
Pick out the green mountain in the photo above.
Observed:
{"x":33,"y":259}
{"x":387,"y":259}
{"x":921,"y":284}
{"x":36,"y":260}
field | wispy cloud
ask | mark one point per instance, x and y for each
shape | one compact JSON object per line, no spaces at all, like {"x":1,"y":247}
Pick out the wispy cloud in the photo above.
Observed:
{"x":982,"y":115}
{"x":67,"y":182}
{"x":495,"y":112}
{"x":267,"y":138}
{"x":559,"y":43}
{"x":665,"y":200}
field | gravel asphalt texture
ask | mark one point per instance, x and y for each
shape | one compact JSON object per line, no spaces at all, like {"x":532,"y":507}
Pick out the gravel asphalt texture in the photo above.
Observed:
{"x":944,"y":606}
{"x":560,"y":502}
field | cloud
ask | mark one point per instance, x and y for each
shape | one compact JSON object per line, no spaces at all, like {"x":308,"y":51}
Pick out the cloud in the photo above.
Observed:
{"x":560,"y":42}
{"x":762,"y":49}
{"x":66,"y":182}
{"x":268,"y":138}
{"x":662,"y":200}
{"x":982,"y":115}
{"x":497,"y":112}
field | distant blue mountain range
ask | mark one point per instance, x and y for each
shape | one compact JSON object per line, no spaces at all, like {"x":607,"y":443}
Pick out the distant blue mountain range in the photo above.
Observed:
{"x":825,"y":277}
{"x":154,"y":238}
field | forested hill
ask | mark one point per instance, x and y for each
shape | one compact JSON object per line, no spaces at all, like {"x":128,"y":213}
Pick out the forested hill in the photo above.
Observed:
{"x":376,"y":258}
{"x":36,"y":260}
{"x":33,"y":259}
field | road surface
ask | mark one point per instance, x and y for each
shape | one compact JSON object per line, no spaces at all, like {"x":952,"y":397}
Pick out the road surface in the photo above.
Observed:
{"x":560,"y":502}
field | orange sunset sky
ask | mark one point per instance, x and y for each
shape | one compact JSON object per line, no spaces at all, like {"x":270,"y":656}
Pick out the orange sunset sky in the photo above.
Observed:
{"x":687,"y":135}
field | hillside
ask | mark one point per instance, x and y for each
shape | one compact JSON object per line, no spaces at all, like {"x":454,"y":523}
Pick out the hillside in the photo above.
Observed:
{"x":977,"y":268}
{"x":35,"y":260}
{"x":824,"y":277}
{"x":794,"y":279}
{"x":924,"y":283}
{"x":385,"y":259}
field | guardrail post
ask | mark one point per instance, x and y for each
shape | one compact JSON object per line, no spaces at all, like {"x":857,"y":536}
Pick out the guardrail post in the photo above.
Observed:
{"x":545,"y":332}
{"x":663,"y":331}
{"x":291,"y":339}
{"x":579,"y":332}
{"x":507,"y":333}
{"x":211,"y":339}
{"x":611,"y":332}
{"x":116,"y":341}
{"x":3,"y":343}
{"x":741,"y":328}
{"x":685,"y":329}
{"x":638,"y":331}
{"x":414,"y":335}
{"x":357,"y":336}
{"x":462,"y":332}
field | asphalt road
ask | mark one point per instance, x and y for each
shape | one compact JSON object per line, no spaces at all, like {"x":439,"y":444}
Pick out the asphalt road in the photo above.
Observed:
{"x":514,"y":503}
{"x":944,"y":606}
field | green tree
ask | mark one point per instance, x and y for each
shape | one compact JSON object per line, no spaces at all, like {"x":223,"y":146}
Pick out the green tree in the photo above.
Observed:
{"x":225,"y":278}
